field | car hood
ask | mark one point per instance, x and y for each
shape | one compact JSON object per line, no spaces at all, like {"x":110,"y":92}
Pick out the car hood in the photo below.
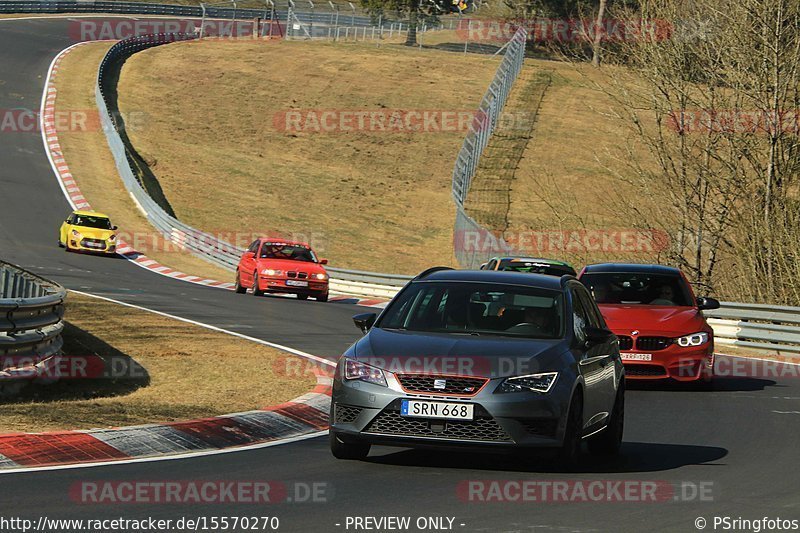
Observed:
{"x":94,"y":233}
{"x":653,"y":319}
{"x":285,"y":264}
{"x":447,"y":353}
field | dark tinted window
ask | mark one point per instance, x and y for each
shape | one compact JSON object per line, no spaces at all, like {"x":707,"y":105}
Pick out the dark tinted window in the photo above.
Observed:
{"x":536,"y":267}
{"x":479,"y":308}
{"x":288,"y":252}
{"x":88,"y":221}
{"x":634,"y":288}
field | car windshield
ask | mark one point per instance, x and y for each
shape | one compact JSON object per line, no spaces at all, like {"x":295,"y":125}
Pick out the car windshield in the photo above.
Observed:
{"x":478,"y":309}
{"x":289,"y":252}
{"x":88,"y":221}
{"x":533,"y":266}
{"x":634,"y":288}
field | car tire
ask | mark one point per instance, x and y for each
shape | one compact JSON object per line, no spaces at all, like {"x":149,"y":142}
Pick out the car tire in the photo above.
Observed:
{"x":570,"y":451}
{"x":256,"y":290}
{"x":237,"y":286}
{"x":351,"y":451}
{"x":302,"y":296}
{"x":609,"y":441}
{"x":322,"y":297}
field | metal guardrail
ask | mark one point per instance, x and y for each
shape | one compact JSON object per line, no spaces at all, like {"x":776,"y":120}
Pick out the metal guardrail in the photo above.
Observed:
{"x":31,"y":313}
{"x":466,"y":229}
{"x":197,"y":242}
{"x":758,"y":326}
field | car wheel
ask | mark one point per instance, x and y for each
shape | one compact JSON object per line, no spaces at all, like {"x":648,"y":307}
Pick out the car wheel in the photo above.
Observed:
{"x":609,"y":441}
{"x":322,"y":297}
{"x":348,"y":450}
{"x":256,"y":290}
{"x":238,"y":285}
{"x":302,"y":296}
{"x":570,"y":450}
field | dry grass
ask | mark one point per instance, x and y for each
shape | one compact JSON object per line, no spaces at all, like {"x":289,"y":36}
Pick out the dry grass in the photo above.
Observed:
{"x":192,"y":372}
{"x":92,"y":164}
{"x":378,"y":201}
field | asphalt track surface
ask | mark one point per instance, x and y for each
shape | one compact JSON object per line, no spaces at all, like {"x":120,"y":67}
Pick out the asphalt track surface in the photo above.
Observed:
{"x":740,"y":439}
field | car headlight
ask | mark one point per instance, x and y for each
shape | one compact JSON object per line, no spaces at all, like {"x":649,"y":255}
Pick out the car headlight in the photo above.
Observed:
{"x":695,"y":339}
{"x":533,"y":382}
{"x":113,"y":237}
{"x":355,"y":370}
{"x":76,"y":234}
{"x":272,"y":272}
{"x":321,"y":276}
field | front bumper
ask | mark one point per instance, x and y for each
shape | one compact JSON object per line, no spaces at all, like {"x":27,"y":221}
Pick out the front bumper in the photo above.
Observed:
{"x":275,"y":284}
{"x":371,"y":413}
{"x":674,"y":362}
{"x":97,"y":246}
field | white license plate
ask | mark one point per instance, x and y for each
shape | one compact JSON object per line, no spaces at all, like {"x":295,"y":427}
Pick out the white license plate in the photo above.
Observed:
{"x":295,"y":283}
{"x":636,"y":356}
{"x":450,"y":411}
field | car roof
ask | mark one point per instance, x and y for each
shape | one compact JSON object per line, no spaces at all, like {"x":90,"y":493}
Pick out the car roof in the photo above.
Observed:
{"x":85,"y":212}
{"x":632,"y":268}
{"x":542,"y":281}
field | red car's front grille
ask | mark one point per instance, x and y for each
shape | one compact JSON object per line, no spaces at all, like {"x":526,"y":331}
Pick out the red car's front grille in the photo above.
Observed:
{"x":625,"y":343}
{"x":652,"y":344}
{"x":295,"y":274}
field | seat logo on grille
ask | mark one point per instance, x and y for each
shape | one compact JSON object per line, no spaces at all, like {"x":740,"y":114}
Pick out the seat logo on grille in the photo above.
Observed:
{"x":440,"y":384}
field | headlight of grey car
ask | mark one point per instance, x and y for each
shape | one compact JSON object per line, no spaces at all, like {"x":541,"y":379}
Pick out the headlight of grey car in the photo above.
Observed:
{"x":532,"y":382}
{"x":356,"y":370}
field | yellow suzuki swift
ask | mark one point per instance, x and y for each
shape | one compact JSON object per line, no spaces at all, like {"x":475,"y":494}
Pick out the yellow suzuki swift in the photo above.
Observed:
{"x":88,"y":231}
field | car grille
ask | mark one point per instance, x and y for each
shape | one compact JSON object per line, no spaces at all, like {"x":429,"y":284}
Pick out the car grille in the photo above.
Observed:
{"x":298,"y":275}
{"x":645,"y":370}
{"x":625,"y":343}
{"x":541,"y":427}
{"x":346,"y":414}
{"x":652,"y":344}
{"x":482,"y":429}
{"x":95,"y":244}
{"x":454,"y":385}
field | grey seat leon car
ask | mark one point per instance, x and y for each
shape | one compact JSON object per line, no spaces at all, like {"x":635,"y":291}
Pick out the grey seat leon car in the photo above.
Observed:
{"x":481,"y":359}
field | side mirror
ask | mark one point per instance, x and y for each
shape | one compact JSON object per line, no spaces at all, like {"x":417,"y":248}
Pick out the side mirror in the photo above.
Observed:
{"x":483,"y":266}
{"x":364,"y":321}
{"x":250,"y":255}
{"x":323,"y":261}
{"x":114,"y":228}
{"x":706,"y":304}
{"x":595,"y":336}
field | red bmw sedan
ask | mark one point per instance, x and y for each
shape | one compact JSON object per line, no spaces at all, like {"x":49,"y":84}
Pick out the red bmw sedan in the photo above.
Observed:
{"x":659,"y":321}
{"x":279,"y":266}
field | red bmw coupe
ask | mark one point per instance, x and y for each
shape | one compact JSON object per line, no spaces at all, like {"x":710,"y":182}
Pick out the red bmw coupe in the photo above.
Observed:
{"x":271,"y":265}
{"x":661,"y":328}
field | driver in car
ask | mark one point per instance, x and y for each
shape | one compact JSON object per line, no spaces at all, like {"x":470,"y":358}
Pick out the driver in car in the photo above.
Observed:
{"x":666,"y":296}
